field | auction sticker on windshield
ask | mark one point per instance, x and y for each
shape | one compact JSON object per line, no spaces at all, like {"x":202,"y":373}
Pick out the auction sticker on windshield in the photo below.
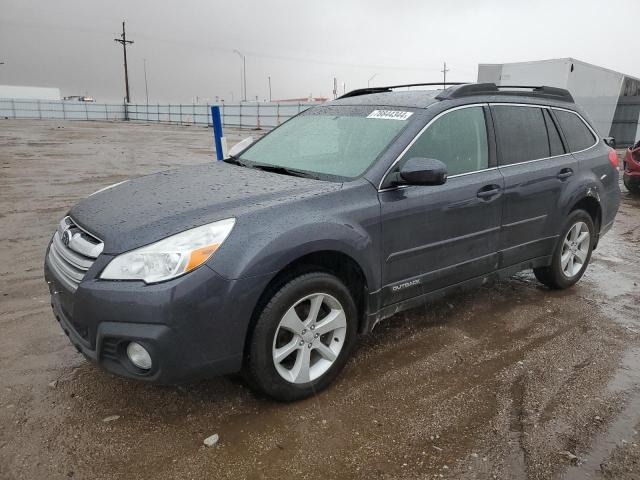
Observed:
{"x":390,"y":114}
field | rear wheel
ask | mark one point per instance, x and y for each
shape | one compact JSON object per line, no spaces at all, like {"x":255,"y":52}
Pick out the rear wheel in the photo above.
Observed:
{"x":633,"y":187}
{"x":572,"y":254}
{"x":303,"y":337}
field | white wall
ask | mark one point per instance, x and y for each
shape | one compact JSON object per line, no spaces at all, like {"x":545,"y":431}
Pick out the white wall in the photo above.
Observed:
{"x":597,"y":91}
{"x":29,"y":93}
{"x":552,"y":73}
{"x":594,"y":88}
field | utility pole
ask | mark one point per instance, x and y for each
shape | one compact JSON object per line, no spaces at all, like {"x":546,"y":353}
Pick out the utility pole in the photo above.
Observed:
{"x":146,"y":87}
{"x":444,"y":73}
{"x":124,"y":42}
{"x":244,"y":73}
{"x":269,"y":88}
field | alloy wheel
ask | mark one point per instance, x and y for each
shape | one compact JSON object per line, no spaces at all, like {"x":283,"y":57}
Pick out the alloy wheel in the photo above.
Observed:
{"x":309,"y":338}
{"x":575,"y":249}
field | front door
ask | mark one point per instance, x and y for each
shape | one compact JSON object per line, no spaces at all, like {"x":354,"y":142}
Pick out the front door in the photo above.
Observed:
{"x":437,"y":236}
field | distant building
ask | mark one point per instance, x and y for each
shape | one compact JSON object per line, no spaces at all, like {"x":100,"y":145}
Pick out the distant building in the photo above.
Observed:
{"x":79,"y":98}
{"x":18,"y":92}
{"x":308,"y":99}
{"x":611,"y":99}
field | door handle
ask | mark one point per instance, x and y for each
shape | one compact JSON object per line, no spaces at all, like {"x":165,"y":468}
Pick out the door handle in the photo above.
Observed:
{"x":565,"y":173}
{"x":489,"y":191}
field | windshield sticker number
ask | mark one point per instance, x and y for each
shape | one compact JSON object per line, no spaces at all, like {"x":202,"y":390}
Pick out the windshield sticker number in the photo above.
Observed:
{"x":390,"y":114}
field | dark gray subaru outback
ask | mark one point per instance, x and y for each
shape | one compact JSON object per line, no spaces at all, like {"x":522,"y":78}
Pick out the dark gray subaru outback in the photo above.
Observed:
{"x":274,"y":261}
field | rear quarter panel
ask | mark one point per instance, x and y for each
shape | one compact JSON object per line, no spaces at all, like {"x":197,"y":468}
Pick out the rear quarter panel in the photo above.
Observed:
{"x":596,"y":178}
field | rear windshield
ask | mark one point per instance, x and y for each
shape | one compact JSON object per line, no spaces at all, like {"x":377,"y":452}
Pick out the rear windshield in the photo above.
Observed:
{"x":332,"y":142}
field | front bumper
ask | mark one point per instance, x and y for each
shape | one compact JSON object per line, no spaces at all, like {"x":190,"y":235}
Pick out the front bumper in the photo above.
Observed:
{"x":632,"y":175}
{"x":193,"y":326}
{"x":631,"y":165}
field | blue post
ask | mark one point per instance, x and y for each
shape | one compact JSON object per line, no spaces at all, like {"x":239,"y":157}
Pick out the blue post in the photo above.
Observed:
{"x":217,"y":131}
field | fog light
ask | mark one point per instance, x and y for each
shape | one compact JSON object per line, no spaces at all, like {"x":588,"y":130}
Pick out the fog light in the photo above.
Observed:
{"x":139,"y":356}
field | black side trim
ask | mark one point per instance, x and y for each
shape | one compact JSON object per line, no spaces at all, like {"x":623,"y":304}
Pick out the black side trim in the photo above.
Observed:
{"x":411,"y":251}
{"x":526,"y":220}
{"x":390,"y":310}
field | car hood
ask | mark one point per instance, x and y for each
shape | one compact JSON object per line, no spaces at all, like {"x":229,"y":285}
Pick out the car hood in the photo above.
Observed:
{"x":150,"y":208}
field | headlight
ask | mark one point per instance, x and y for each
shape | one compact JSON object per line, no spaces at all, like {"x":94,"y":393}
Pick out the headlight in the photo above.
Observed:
{"x":170,"y":257}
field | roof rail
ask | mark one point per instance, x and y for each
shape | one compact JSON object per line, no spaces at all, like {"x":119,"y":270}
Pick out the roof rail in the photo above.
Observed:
{"x":370,"y":90}
{"x":472,"y":89}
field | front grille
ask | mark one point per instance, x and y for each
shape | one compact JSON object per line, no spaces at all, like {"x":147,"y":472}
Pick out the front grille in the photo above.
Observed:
{"x":72,"y":252}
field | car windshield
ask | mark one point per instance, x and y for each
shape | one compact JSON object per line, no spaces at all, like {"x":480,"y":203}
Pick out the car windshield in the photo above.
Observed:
{"x":329,"y":142}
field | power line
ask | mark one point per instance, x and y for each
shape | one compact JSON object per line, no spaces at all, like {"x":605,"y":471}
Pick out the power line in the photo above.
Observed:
{"x":244,"y":73}
{"x":444,"y":73}
{"x":124,"y":42}
{"x":146,"y":86}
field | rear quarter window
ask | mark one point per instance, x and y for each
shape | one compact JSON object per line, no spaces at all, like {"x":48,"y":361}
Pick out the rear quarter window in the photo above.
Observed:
{"x":578,"y":135}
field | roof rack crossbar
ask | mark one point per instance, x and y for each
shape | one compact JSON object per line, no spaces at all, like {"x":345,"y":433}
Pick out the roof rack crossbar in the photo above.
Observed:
{"x":472,"y":89}
{"x":370,"y":90}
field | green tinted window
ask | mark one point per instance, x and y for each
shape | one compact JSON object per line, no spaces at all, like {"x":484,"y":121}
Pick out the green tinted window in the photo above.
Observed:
{"x":458,"y":139}
{"x":337,"y":145}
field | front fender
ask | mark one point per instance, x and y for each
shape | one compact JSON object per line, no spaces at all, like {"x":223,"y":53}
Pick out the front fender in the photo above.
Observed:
{"x":270,"y":255}
{"x":267,"y":240}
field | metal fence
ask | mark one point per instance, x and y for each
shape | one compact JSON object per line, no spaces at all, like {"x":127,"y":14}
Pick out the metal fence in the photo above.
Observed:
{"x":45,"y":109}
{"x":243,"y":115}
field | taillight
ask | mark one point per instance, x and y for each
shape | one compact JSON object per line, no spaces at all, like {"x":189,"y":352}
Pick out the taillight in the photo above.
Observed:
{"x":613,"y":158}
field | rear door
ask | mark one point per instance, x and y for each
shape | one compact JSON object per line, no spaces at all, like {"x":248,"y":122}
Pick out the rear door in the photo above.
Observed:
{"x":440,"y":235}
{"x":536,"y":169}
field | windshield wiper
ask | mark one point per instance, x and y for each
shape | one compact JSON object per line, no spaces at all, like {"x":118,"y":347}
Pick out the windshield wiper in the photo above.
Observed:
{"x":234,"y":161}
{"x":285,"y":171}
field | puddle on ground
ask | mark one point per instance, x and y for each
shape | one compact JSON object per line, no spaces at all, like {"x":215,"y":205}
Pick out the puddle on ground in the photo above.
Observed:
{"x":623,"y":429}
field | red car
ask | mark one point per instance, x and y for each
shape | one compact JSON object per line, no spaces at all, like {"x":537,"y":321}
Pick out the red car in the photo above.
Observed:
{"x":631,"y":176}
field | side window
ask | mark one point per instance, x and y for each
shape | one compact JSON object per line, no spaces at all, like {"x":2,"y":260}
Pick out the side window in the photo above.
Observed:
{"x":521,"y":132}
{"x":578,"y":136}
{"x":555,"y":143}
{"x":458,"y":139}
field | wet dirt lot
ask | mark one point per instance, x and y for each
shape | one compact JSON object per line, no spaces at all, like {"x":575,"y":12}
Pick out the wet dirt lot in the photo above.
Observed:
{"x":510,"y":381}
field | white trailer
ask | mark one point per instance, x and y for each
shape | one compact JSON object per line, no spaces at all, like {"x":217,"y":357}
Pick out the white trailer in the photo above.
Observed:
{"x":19,"y":92}
{"x":612,"y":99}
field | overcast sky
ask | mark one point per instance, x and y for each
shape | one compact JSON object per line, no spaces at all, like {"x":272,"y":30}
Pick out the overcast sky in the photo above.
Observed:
{"x":302,"y":45}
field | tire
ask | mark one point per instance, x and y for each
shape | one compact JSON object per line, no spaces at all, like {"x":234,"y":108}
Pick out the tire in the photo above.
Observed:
{"x":560,"y":275}
{"x":287,"y":337}
{"x":633,"y":187}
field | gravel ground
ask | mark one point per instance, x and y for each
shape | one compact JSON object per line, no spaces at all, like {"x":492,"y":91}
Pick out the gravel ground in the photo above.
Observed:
{"x":510,"y":381}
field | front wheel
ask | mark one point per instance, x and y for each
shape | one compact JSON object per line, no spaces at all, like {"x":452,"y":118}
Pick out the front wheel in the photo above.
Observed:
{"x":572,"y":254}
{"x":303,"y":337}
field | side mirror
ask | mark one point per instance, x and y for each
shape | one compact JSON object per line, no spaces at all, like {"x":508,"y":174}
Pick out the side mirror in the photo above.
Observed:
{"x":610,"y":141}
{"x":422,"y":171}
{"x":239,"y":147}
